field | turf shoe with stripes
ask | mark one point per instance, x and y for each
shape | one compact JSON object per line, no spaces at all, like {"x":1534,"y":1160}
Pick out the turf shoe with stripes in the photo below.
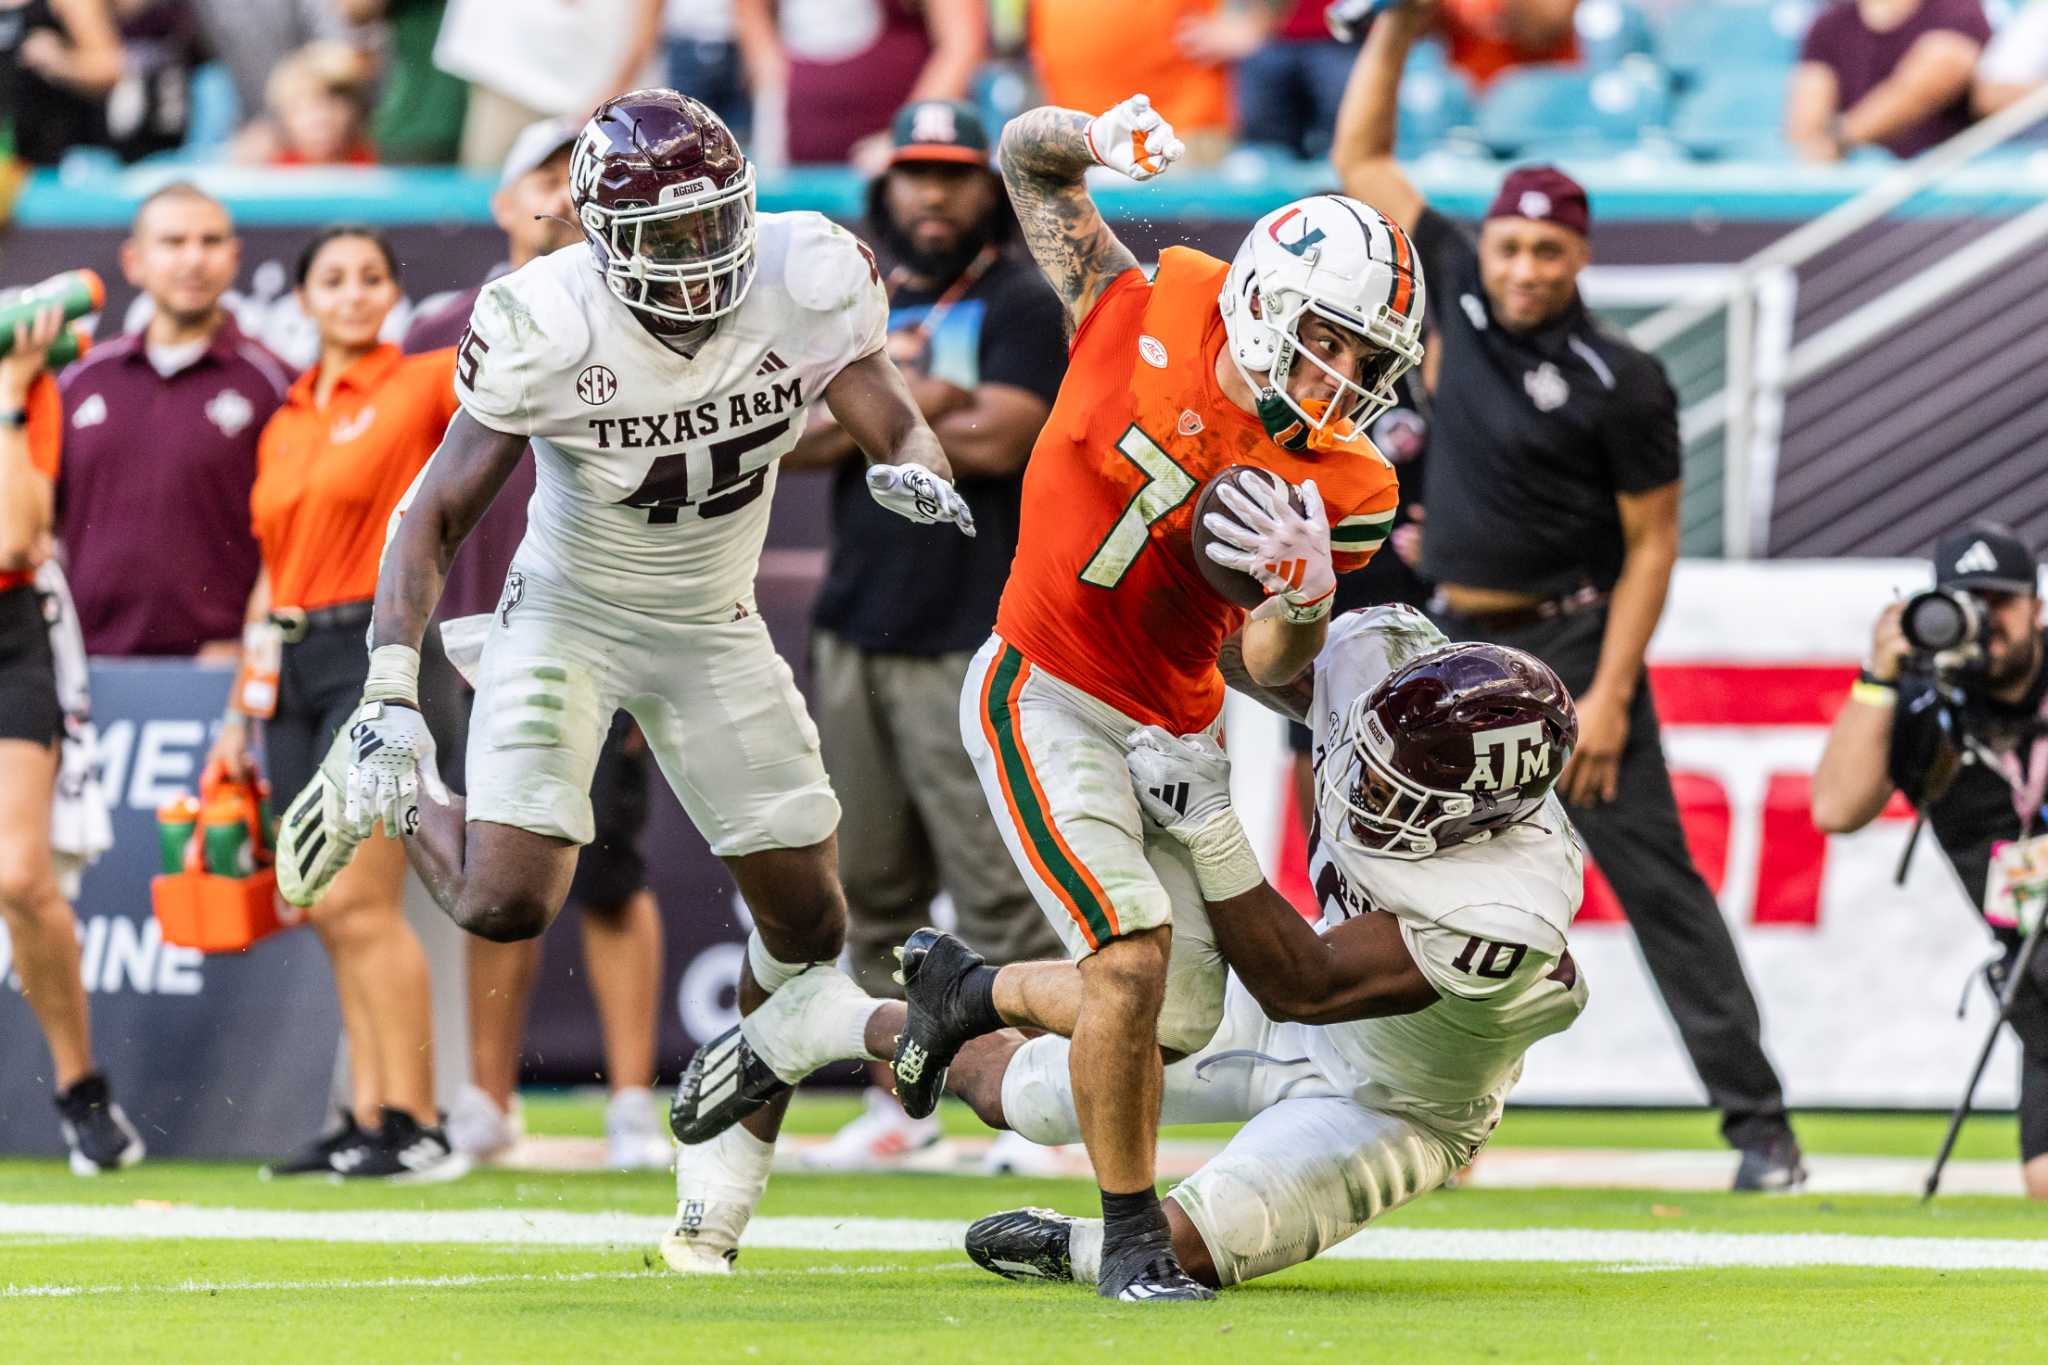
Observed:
{"x":95,"y":1129}
{"x":404,"y":1151}
{"x":314,"y":842}
{"x":317,"y":1156}
{"x":946,"y":985}
{"x":1024,"y":1244}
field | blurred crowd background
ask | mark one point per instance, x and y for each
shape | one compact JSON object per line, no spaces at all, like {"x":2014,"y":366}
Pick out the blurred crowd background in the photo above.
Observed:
{"x":95,"y":84}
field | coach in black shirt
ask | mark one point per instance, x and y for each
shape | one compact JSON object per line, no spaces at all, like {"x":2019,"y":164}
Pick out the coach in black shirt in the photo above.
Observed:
{"x":1553,"y":527}
{"x":980,"y":339}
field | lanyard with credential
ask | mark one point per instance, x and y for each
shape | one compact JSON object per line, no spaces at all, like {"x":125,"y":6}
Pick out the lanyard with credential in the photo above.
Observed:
{"x":2027,"y":791}
{"x":954,"y":292}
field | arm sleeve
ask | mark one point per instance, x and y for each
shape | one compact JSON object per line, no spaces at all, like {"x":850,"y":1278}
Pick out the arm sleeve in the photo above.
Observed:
{"x":1641,"y":438}
{"x":492,"y":365}
{"x":1023,"y":343}
{"x":1472,"y":965}
{"x":1448,"y":256}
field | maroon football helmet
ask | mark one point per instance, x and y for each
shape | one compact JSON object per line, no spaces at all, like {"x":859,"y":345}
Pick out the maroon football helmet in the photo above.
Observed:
{"x":666,"y":199}
{"x":1448,"y":748}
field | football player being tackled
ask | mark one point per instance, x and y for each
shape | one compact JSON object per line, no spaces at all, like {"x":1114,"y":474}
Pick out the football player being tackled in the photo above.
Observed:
{"x":658,"y":369}
{"x":1367,"y":1058}
{"x":1279,"y":360}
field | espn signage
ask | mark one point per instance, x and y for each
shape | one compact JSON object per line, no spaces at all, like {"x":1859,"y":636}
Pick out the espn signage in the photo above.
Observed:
{"x":1857,"y":977}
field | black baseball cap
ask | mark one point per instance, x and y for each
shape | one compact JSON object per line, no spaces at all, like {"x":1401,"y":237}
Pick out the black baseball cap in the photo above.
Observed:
{"x":939,"y":130}
{"x":1985,"y":555}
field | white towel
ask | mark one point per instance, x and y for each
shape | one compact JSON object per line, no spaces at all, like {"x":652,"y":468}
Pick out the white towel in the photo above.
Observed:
{"x":80,"y":830}
{"x":462,"y":640}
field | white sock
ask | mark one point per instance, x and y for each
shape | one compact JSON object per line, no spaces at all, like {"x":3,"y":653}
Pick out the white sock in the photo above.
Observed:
{"x":771,"y":973}
{"x":1084,"y":1249}
{"x":731,"y":1168}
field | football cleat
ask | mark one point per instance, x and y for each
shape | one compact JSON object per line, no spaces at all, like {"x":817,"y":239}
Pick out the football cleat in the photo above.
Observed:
{"x":718,"y":1185}
{"x":313,"y":842}
{"x":724,"y":1082}
{"x":1145,"y":1270}
{"x":95,"y":1129}
{"x":403,"y":1151}
{"x":934,"y":966}
{"x":881,"y":1139}
{"x":1024,"y":1244}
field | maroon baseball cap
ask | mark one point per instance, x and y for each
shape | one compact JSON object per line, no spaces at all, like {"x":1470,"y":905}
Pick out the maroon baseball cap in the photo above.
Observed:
{"x":1544,"y":194}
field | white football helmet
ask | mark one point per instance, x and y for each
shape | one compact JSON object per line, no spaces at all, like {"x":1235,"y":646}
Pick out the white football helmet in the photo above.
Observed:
{"x":1348,"y":263}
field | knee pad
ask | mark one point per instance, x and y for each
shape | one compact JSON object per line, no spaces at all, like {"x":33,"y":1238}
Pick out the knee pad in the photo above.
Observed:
{"x":1038,"y":1093}
{"x":803,"y":818}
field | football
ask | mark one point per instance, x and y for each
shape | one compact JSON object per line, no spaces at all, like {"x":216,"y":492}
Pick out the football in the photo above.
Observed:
{"x":1232,"y":585}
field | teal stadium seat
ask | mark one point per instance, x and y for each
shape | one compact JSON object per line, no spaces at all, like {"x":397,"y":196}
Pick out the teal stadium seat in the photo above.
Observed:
{"x":214,"y":112}
{"x":1566,"y":108}
{"x":1435,"y":103}
{"x":1706,"y":38}
{"x":1609,"y":31}
{"x":1736,"y":113}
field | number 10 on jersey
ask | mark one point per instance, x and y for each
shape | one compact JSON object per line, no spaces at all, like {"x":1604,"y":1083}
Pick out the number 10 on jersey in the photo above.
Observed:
{"x":1166,"y":487}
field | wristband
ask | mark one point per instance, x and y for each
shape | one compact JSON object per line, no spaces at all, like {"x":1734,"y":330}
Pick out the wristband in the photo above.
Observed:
{"x":1225,"y":865}
{"x":1873,"y":693}
{"x":394,"y":675}
{"x":1867,"y":674}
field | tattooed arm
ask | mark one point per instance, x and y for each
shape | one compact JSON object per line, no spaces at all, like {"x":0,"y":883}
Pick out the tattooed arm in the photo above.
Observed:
{"x":1046,"y":152}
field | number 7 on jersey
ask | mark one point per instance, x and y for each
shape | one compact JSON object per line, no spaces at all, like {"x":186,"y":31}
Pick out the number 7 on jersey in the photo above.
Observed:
{"x":1166,"y":487}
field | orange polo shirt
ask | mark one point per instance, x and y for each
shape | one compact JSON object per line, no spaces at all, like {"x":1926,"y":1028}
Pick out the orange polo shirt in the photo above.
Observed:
{"x":45,"y":432}
{"x":328,"y":477}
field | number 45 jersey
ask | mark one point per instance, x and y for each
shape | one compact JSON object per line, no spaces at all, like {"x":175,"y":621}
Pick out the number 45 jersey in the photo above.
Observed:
{"x":655,"y":470}
{"x":1104,"y":593}
{"x":1485,"y":922}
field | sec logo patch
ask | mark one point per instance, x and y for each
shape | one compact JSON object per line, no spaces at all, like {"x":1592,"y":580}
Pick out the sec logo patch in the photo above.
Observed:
{"x":1153,"y":351}
{"x":596,"y":385}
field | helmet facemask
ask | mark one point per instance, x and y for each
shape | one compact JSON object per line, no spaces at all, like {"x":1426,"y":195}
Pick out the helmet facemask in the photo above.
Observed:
{"x":689,"y":262}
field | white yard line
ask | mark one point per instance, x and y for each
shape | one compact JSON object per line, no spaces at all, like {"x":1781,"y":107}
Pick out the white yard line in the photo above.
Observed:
{"x":507,"y":1227}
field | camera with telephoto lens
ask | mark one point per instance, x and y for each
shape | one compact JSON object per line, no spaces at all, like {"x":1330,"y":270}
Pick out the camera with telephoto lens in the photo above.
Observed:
{"x":1941,"y":620}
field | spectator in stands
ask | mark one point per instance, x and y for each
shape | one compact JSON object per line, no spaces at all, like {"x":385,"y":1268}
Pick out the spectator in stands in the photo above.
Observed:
{"x":621,"y":922}
{"x":1486,"y":37}
{"x":2015,"y":64}
{"x":981,"y":341}
{"x":418,"y":119}
{"x":148,"y":110}
{"x":61,"y":59}
{"x":37,"y":919}
{"x":704,"y":60}
{"x":250,"y":37}
{"x":526,"y":60}
{"x":353,"y":432}
{"x":319,"y":101}
{"x":1537,"y":405}
{"x":1289,"y":81}
{"x":1884,"y":73}
{"x":144,"y":582}
{"x":1092,"y":56}
{"x":838,"y":70}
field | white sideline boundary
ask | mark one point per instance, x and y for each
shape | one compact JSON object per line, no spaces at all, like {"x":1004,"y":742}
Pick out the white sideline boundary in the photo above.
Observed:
{"x":1675,"y":1249}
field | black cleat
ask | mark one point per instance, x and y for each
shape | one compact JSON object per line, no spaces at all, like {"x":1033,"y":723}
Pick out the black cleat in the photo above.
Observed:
{"x":402,"y":1150}
{"x":724,"y":1083}
{"x":317,"y":1156}
{"x":1024,"y":1244}
{"x":95,"y":1129}
{"x":1776,"y":1167}
{"x":934,"y":966}
{"x":1145,"y":1270}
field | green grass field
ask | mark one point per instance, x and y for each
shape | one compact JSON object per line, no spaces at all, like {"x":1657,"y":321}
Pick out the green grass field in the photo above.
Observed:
{"x":1629,"y":1282}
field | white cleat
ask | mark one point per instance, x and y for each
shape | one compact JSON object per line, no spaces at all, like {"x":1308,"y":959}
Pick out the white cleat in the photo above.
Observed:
{"x":719,"y":1184}
{"x":314,"y":843}
{"x":635,"y":1137}
{"x":1014,"y":1154}
{"x":881,"y":1139}
{"x":480,"y":1130}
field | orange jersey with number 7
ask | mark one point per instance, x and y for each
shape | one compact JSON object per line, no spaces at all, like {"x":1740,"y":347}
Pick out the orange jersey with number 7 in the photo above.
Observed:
{"x":1104,"y":593}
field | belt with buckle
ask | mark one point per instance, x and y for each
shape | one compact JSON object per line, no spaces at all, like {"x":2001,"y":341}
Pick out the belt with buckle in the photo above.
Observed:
{"x":295,"y":623}
{"x":1573,"y":603}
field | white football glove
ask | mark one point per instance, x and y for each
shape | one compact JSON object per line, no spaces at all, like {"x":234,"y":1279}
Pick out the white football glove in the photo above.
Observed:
{"x":1287,"y":551}
{"x":391,"y":761}
{"x":915,"y":492}
{"x":1349,"y":19}
{"x":1183,"y":782}
{"x":1133,"y":140}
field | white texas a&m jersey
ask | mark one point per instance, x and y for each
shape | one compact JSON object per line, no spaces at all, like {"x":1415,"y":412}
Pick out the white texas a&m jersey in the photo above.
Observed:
{"x":1485,"y":922}
{"x":655,"y":471}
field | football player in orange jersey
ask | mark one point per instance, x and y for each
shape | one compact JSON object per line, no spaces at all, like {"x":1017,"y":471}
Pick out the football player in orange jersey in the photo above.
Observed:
{"x":1280,"y":360}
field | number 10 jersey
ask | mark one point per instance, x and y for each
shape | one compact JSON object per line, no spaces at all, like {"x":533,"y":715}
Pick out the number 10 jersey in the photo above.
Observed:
{"x":655,"y":470}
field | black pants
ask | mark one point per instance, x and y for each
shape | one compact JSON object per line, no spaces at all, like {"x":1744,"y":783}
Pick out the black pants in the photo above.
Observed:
{"x":28,"y":671}
{"x":1640,"y":846}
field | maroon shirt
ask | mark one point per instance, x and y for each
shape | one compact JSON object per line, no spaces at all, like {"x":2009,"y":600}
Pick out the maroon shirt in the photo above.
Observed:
{"x":477,"y":576}
{"x":153,"y":492}
{"x":1861,"y":58}
{"x":833,"y":105}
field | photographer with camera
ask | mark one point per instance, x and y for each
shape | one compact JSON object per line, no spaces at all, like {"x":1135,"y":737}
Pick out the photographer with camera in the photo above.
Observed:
{"x":1951,"y":708}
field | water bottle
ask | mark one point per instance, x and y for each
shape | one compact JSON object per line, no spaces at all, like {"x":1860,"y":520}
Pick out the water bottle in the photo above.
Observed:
{"x":71,"y":343}
{"x":175,"y":821}
{"x":77,"y":292}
